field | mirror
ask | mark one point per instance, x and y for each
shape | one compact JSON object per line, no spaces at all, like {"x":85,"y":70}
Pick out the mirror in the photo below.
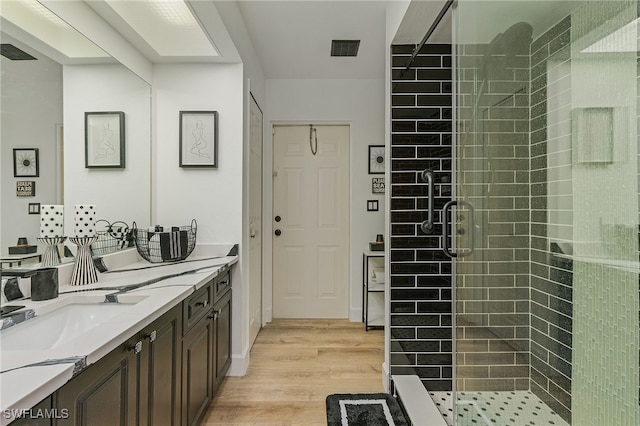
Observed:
{"x":45,"y":96}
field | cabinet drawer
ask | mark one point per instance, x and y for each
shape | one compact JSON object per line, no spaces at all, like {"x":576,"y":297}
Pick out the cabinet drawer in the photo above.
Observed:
{"x":221,"y":284}
{"x":195,"y":307}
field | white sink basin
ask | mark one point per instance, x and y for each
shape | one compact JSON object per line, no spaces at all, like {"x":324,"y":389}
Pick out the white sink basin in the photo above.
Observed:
{"x":60,"y":325}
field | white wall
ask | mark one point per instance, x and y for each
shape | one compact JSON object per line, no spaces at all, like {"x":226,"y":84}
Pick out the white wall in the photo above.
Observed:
{"x":31,"y":109}
{"x":212,"y":196}
{"x":359,"y":103}
{"x":253,"y":84}
{"x":119,"y":194}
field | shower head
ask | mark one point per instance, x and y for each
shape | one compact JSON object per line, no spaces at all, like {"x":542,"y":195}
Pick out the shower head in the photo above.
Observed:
{"x":514,"y":41}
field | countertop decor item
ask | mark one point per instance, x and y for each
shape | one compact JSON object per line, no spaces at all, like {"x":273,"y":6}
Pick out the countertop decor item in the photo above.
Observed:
{"x":44,"y":284}
{"x":84,"y":270}
{"x":378,"y":245}
{"x":104,"y":140}
{"x":51,"y":256}
{"x":51,"y":220}
{"x":22,"y":247}
{"x":85,"y":220}
{"x":111,"y":237}
{"x":165,"y":243}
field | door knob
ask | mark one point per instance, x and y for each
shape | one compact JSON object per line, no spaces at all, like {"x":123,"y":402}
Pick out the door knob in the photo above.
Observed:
{"x":278,"y":218}
{"x":278,"y":232}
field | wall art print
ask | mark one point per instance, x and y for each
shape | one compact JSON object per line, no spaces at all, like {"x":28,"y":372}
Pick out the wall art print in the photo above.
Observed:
{"x":25,"y":162}
{"x":104,"y":140}
{"x":199,"y":139}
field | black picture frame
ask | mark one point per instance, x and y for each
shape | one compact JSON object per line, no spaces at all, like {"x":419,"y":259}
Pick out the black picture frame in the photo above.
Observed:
{"x":198,"y":139}
{"x":26,"y":162}
{"x":104,"y":140}
{"x":377,"y":161}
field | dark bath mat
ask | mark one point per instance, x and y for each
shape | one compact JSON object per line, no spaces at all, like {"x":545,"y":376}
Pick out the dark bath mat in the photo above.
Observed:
{"x":364,"y":409}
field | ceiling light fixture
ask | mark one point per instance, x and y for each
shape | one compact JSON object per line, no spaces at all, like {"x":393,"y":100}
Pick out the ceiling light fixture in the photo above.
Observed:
{"x":345,"y":47}
{"x":168,"y":26}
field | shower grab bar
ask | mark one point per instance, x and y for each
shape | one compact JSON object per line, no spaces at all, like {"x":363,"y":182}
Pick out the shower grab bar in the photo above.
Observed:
{"x":427,"y":225}
{"x":446,"y":247}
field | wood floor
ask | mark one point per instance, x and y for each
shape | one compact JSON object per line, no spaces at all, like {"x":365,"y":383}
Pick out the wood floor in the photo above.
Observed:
{"x":294,"y":365}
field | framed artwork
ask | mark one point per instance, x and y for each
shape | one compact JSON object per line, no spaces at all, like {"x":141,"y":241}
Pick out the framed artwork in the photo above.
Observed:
{"x":25,"y":162}
{"x":26,"y":188}
{"x":199,"y":139}
{"x":376,"y":159}
{"x":104,"y":140}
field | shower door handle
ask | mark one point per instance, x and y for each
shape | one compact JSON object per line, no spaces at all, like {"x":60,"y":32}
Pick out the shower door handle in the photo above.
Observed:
{"x":446,"y":229}
{"x":427,"y":225}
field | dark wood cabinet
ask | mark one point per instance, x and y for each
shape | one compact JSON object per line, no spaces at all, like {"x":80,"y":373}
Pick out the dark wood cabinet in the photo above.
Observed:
{"x":222,"y":312}
{"x":206,"y":350}
{"x":160,"y":371}
{"x":104,"y":393}
{"x":197,"y":354}
{"x":164,"y":375}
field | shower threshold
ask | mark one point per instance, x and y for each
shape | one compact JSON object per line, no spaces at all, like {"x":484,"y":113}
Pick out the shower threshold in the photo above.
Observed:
{"x":504,"y":408}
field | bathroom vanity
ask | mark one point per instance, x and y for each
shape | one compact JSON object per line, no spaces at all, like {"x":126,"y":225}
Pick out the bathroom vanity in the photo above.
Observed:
{"x":156,"y":357}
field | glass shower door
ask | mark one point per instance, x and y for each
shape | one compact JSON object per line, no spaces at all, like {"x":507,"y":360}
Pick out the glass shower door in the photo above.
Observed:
{"x":545,"y":215}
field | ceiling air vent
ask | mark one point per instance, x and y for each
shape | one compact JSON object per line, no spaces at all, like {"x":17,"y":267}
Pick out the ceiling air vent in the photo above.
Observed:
{"x":15,"y":54}
{"x":344,"y":47}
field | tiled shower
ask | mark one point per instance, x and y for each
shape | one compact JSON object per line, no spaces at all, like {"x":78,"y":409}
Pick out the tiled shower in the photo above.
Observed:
{"x":535,"y":137}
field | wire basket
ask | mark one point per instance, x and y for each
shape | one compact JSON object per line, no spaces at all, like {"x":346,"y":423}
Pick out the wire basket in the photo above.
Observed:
{"x":111,"y":237}
{"x":165,"y":244}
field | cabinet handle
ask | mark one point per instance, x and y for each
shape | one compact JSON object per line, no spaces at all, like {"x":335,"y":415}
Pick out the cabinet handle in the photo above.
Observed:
{"x":202,"y":303}
{"x":137,"y":348}
{"x":151,"y":336}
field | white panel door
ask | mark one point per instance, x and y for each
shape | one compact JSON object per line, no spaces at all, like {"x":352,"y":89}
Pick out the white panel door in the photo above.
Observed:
{"x":255,"y":221}
{"x":311,"y":222}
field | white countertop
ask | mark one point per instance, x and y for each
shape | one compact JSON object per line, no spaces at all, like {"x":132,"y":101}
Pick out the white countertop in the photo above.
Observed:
{"x":24,"y":387}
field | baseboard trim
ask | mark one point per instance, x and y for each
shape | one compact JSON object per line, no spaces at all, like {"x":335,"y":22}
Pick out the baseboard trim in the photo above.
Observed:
{"x":239,"y":364}
{"x":385,"y":377}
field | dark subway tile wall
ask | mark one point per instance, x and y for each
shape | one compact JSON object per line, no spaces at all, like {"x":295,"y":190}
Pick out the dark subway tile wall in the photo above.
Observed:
{"x":551,"y":221}
{"x":421,"y":299}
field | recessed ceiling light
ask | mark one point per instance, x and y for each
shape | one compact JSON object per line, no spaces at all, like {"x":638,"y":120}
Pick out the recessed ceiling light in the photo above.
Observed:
{"x":168,"y":26}
{"x":344,"y":47}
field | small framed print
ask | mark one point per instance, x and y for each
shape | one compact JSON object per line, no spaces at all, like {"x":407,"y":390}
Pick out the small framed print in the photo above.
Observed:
{"x":104,"y":140}
{"x":26,"y":162}
{"x":376,"y":159}
{"x":25,"y":188}
{"x":377,"y":185}
{"x":199,"y":139}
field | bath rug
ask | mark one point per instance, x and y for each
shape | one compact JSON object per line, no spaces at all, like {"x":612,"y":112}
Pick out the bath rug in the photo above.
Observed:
{"x":368,"y":409}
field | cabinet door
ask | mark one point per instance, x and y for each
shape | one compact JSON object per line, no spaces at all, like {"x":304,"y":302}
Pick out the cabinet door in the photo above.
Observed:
{"x":160,"y":371}
{"x":40,"y":415}
{"x":197,"y":370}
{"x":222,"y":310}
{"x":104,"y":394}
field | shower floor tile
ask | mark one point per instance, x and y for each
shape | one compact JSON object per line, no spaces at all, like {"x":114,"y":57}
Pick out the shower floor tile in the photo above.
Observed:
{"x":505,"y":408}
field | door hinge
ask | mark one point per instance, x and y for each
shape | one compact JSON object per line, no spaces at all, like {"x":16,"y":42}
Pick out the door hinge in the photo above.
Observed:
{"x":275,"y":174}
